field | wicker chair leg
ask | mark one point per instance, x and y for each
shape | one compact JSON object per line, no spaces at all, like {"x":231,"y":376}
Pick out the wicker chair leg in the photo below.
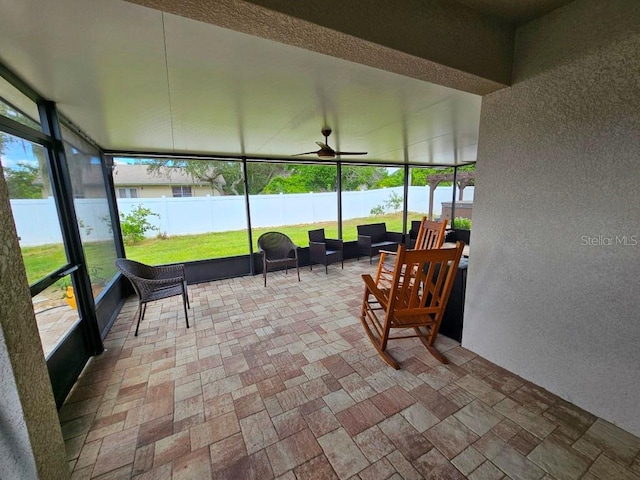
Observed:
{"x":186,"y":294}
{"x":326,"y":268}
{"x":298,"y":269}
{"x":264,"y":272}
{"x":184,"y":305}
{"x":142,"y":307}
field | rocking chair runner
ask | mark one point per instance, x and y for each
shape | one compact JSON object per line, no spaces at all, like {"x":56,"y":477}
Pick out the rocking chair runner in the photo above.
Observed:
{"x":416,"y":299}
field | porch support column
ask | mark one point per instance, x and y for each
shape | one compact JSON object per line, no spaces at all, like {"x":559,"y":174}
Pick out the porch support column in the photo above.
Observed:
{"x":31,"y":444}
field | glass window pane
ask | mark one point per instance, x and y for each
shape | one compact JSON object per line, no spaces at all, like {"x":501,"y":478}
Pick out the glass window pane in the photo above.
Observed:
{"x":16,"y":106}
{"x":34,"y":209}
{"x":181,"y":210}
{"x":464,"y":197}
{"x":56,"y":313}
{"x":371,"y":195}
{"x":92,"y":209}
{"x":292,"y":199}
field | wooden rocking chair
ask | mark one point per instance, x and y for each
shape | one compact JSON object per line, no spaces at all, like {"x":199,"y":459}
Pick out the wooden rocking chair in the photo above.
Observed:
{"x":431,"y":234}
{"x":416,"y":298}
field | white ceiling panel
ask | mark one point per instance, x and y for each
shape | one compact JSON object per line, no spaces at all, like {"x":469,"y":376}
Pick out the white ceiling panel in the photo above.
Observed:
{"x":136,"y":79}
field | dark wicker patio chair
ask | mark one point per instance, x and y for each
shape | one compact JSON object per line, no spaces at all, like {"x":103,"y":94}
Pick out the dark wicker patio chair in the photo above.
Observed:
{"x":324,"y":250}
{"x":277,"y":251}
{"x":154,"y":283}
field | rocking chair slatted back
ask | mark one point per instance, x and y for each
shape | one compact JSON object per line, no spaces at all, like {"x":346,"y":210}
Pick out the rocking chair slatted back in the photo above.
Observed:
{"x":431,"y":234}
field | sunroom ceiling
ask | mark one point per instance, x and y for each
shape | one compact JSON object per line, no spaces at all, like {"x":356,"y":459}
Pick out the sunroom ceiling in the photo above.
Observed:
{"x":137,"y":79}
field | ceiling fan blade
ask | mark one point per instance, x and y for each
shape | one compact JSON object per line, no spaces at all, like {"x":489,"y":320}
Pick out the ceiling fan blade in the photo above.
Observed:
{"x":305,"y":153}
{"x":324,"y":146}
{"x":351,"y":153}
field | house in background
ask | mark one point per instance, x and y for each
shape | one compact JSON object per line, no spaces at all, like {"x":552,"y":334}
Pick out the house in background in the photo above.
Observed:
{"x":134,"y":181}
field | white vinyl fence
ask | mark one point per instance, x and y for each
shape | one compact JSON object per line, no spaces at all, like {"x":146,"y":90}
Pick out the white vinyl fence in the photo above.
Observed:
{"x":37,"y":220}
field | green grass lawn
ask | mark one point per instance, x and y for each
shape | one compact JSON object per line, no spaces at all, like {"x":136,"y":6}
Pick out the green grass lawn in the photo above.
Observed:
{"x":42,"y":260}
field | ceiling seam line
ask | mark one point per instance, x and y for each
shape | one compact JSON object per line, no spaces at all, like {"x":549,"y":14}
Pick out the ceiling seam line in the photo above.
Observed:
{"x":166,"y":67}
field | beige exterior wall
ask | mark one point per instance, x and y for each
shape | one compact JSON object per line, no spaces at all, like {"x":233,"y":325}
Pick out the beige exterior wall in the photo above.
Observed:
{"x":159,"y":191}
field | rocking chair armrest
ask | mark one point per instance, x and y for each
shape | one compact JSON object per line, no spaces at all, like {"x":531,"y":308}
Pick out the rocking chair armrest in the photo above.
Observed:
{"x":370,"y":285}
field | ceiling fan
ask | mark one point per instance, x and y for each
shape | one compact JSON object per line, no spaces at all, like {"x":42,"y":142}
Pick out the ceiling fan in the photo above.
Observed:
{"x":325,"y":150}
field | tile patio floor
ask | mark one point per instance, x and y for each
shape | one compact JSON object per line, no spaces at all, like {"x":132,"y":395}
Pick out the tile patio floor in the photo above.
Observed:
{"x":281,"y":382}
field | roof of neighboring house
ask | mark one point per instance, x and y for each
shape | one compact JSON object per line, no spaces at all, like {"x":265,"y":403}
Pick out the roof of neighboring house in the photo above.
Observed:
{"x":138,"y":175}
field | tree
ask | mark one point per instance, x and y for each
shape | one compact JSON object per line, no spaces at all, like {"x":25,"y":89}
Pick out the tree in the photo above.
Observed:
{"x":299,"y":178}
{"x":260,"y":174}
{"x":225,"y":177}
{"x":20,"y":181}
{"x":356,"y":178}
{"x":208,"y":171}
{"x":303,"y":178}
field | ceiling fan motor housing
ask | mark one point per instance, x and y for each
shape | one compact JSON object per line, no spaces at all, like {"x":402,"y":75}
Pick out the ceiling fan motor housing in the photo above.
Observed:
{"x":326,"y":153}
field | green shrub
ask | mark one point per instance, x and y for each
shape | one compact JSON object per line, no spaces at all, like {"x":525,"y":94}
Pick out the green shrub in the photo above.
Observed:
{"x":394,"y":202}
{"x":391,"y":205}
{"x":136,"y":223}
{"x":377,"y":210}
{"x":461,"y":223}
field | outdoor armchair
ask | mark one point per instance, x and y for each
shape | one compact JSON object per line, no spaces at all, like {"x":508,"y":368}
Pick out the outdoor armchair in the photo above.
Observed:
{"x":324,"y":250}
{"x":374,"y":237}
{"x":154,"y":283}
{"x":277,"y":251}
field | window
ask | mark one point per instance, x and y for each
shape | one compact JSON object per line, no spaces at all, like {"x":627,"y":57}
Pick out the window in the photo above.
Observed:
{"x":370,"y":195}
{"x":183,"y":191}
{"x":207,"y":219}
{"x":35,"y":214}
{"x":92,"y":209}
{"x":292,"y":199}
{"x":129,"y":193}
{"x":16,"y":106}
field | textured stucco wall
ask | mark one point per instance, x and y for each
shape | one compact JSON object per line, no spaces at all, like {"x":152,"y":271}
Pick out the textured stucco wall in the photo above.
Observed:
{"x":32,"y":445}
{"x":552,"y":295}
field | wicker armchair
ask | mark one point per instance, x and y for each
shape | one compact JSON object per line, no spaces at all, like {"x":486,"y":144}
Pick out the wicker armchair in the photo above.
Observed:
{"x":277,"y":250}
{"x":324,"y":250}
{"x":154,"y":283}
